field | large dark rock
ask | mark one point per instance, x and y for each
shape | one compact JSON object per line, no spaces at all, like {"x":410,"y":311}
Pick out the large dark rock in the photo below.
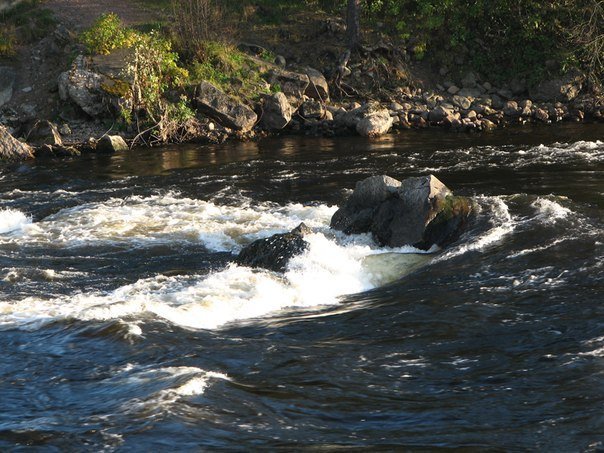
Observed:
{"x":12,"y":149}
{"x":273,"y":253}
{"x":227,"y":111}
{"x":419,"y":211}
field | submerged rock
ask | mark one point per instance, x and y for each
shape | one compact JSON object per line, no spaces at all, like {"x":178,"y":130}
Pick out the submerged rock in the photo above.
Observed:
{"x":273,"y":253}
{"x":419,"y":211}
{"x":227,"y":111}
{"x":12,"y":149}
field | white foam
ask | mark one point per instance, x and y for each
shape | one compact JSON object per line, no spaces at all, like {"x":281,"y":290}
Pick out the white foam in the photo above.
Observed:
{"x":196,"y":382}
{"x":328,"y":270}
{"x":550,"y":210}
{"x":166,"y":218}
{"x":502,"y":224}
{"x":12,"y":221}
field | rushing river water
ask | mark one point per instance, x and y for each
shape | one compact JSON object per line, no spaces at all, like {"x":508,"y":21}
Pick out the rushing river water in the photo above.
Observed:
{"x":125,"y":326}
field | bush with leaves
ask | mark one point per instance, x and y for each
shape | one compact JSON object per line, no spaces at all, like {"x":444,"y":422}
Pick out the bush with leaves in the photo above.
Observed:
{"x":108,"y":33}
{"x":152,"y":74}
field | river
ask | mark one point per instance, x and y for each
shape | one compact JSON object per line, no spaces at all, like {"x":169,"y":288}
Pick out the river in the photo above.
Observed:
{"x":125,"y":326}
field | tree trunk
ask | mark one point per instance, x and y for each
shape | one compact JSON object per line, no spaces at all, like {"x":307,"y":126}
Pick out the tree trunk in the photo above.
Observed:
{"x":353,"y":30}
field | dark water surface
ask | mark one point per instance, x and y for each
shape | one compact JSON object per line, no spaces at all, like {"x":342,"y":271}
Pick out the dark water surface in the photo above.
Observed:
{"x":124,"y":327}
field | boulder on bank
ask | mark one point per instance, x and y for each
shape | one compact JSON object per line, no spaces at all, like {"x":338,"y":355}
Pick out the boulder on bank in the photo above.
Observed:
{"x":83,"y":88}
{"x":12,"y":149}
{"x":369,"y":120}
{"x":418,"y":211}
{"x":277,"y":112}
{"x":563,"y":89}
{"x":273,"y":253}
{"x":375,"y":124}
{"x":228,"y":112}
{"x":317,"y":87}
{"x":111,"y":144}
{"x":44,"y":132}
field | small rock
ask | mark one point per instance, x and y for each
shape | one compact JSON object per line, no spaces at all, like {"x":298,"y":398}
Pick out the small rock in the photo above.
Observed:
{"x":312,"y":109}
{"x":453,"y":90}
{"x":280,"y":60}
{"x":44,"y":133}
{"x":65,"y":129}
{"x":541,"y":115}
{"x":439,"y":114}
{"x":27,"y":89}
{"x":510,"y":108}
{"x":462,"y":102}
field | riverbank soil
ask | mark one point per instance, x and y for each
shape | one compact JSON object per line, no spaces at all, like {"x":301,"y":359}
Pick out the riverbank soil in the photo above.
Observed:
{"x":286,"y":68}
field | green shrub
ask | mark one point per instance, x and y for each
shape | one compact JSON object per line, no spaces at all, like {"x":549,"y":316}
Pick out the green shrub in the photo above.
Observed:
{"x":108,"y":33}
{"x":152,"y":74}
{"x":8,"y":42}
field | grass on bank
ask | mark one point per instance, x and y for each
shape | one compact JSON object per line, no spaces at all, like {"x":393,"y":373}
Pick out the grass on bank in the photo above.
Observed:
{"x":23,"y":24}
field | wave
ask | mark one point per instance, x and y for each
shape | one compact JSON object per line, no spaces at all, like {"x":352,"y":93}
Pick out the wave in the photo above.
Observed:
{"x":164,"y":219}
{"x":12,"y":221}
{"x":330,"y":268}
{"x":333,"y":266}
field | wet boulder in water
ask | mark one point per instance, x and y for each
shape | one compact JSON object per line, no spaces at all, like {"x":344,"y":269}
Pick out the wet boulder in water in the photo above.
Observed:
{"x":418,"y":211}
{"x":273,"y":253}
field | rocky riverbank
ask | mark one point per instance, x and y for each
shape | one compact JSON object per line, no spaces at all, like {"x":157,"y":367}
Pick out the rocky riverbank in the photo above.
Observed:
{"x":62,"y":105}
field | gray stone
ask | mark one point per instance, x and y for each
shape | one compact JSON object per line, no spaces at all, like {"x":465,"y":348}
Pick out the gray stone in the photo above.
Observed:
{"x":291,"y":83}
{"x":312,"y":108}
{"x":439,"y":113}
{"x":12,"y":149}
{"x":375,"y":124}
{"x":510,"y":108}
{"x":277,"y":112}
{"x":452,"y":89}
{"x":83,"y":88}
{"x":111,"y":144}
{"x":419,"y":211}
{"x":44,"y":133}
{"x":275,"y":252}
{"x":7,"y":82}
{"x":505,"y":93}
{"x":462,"y":102}
{"x":227,"y":111}
{"x":317,"y":87}
{"x":563,"y":89}
{"x":470,"y":92}
{"x":469,"y":80}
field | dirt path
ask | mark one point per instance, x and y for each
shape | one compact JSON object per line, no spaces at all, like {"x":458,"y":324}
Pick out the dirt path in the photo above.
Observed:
{"x":80,"y":14}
